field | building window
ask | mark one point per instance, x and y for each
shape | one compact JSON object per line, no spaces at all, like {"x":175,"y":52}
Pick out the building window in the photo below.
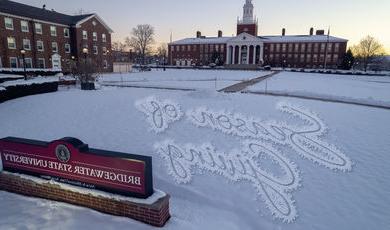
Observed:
{"x":40,"y":46}
{"x":26,"y":44}
{"x":336,"y":58}
{"x":277,"y":47}
{"x":222,"y":48}
{"x":296,"y":48}
{"x":105,"y":64}
{"x":104,"y":50}
{"x":302,"y":59}
{"x":290,"y":48}
{"x":323,"y":45}
{"x":53,"y":31}
{"x":104,"y":38}
{"x":54,"y":47}
{"x":194,"y":48}
{"x":322,"y":58}
{"x":309,"y":47}
{"x":9,"y":23}
{"x":272,"y":47}
{"x":303,"y":48}
{"x":66,"y":32}
{"x":67,"y":48}
{"x":95,"y":50}
{"x":177,"y":48}
{"x":1,"y":63}
{"x":11,"y":43}
{"x":85,"y":35}
{"x":41,"y":63}
{"x":315,"y":58}
{"x":28,"y":63}
{"x":336,"y":47}
{"x":94,"y":36}
{"x":316,"y":48}
{"x":330,"y":47}
{"x":308,"y":58}
{"x":284,"y":48}
{"x":24,"y":26}
{"x":38,"y":28}
{"x":328,"y":58}
{"x":189,"y":48}
{"x":13,"y":62}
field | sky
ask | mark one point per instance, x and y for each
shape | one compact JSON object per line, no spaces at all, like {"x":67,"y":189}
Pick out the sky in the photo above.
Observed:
{"x":350,"y":19}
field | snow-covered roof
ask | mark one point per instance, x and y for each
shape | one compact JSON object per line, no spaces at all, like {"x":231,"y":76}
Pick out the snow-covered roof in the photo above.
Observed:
{"x":266,"y":39}
{"x":204,"y":40}
{"x":302,"y":38}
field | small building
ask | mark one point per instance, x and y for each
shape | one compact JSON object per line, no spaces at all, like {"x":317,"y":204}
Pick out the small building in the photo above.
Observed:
{"x":51,"y":40}
{"x":248,"y":49}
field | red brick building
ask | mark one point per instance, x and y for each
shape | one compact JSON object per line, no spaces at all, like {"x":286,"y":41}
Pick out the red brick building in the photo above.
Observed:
{"x":50,"y":39}
{"x":248,"y":49}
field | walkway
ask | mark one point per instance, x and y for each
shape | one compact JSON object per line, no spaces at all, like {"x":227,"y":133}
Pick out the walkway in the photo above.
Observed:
{"x":243,"y":85}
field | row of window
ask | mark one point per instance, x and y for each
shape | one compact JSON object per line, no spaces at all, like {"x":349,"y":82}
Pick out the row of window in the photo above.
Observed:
{"x":303,"y":58}
{"x":13,"y":63}
{"x":94,"y":36}
{"x":203,"y":48}
{"x":54,"y":46}
{"x":303,"y":47}
{"x":9,"y":25}
{"x":41,"y":64}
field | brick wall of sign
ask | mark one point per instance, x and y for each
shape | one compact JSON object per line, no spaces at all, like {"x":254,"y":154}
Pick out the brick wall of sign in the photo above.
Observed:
{"x":156,"y":214}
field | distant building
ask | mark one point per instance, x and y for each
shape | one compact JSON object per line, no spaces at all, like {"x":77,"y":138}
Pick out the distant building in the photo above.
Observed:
{"x":51,"y":39}
{"x":247,"y":49}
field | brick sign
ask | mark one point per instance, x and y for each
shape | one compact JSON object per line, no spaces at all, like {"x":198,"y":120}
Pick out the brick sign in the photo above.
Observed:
{"x":71,"y":161}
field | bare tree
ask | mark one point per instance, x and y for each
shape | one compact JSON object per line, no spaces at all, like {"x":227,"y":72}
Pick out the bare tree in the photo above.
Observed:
{"x":367,"y":49}
{"x":118,"y":46}
{"x":162,"y":50}
{"x":141,"y":40}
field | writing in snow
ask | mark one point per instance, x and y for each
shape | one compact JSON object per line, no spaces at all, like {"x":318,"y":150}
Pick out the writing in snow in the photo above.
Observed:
{"x":67,"y":168}
{"x":273,"y":175}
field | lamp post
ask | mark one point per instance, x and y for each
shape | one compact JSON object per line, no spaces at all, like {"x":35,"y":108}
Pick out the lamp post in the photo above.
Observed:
{"x":85,"y":52}
{"x":23,"y":52}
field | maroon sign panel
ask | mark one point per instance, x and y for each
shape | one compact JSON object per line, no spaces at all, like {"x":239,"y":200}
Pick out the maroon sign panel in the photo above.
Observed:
{"x":71,"y":161}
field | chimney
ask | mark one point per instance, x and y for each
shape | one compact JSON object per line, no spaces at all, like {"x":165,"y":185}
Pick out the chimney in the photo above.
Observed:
{"x":44,"y":7}
{"x":311,"y":31}
{"x":320,"y":32}
{"x":220,"y":33}
{"x":198,"y":34}
{"x":283,"y":32}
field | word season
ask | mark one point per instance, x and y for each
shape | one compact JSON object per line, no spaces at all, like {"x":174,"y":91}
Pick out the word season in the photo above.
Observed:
{"x":251,"y":163}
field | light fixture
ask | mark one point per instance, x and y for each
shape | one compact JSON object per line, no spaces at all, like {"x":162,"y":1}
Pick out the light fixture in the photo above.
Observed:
{"x":85,"y":50}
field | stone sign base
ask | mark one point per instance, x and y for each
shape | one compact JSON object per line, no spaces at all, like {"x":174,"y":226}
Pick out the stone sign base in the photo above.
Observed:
{"x":155,"y":213}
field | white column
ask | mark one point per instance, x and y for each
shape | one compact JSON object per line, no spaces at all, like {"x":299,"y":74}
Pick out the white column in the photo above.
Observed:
{"x":262,"y":54}
{"x":254,"y":55}
{"x":247,"y":54}
{"x":228,"y":55}
{"x":234,"y":55}
{"x":239,"y":55}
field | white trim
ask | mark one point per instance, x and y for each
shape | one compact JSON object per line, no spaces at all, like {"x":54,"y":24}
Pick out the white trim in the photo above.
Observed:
{"x":35,"y":27}
{"x":78,"y":24}
{"x":68,"y":30}
{"x":32,"y":19}
{"x":53,"y":47}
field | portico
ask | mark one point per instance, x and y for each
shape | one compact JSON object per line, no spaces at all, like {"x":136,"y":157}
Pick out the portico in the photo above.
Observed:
{"x":245,"y":49}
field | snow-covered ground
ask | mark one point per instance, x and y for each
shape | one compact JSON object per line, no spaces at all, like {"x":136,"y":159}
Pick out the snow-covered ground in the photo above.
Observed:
{"x":183,"y":79}
{"x":367,"y":89}
{"x":314,"y":164}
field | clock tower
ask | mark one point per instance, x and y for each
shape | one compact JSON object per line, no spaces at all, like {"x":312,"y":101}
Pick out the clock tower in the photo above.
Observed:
{"x":248,"y":24}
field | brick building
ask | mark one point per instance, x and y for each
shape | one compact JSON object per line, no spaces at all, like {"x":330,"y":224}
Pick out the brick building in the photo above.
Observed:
{"x":247,"y":49}
{"x":50,"y":39}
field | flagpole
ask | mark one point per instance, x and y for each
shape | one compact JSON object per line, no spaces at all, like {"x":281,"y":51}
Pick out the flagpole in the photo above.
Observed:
{"x":326,"y":49}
